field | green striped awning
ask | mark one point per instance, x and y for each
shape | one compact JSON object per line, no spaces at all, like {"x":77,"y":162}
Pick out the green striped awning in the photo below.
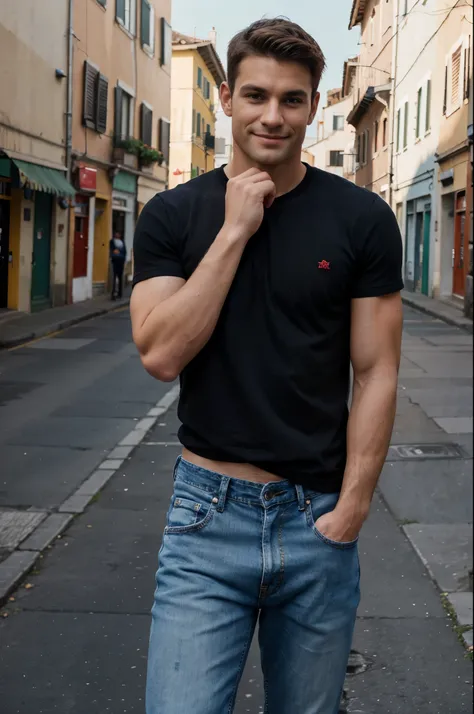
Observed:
{"x":44,"y":179}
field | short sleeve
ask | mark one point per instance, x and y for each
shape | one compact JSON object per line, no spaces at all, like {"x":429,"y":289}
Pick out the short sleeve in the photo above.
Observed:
{"x":155,"y":247}
{"x":379,"y":253}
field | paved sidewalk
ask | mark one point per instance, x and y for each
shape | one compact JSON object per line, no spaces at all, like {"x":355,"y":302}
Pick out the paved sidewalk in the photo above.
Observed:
{"x":440,"y":309}
{"x":17,"y":328}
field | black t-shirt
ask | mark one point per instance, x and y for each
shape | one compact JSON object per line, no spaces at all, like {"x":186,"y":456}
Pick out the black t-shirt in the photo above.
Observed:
{"x":271,"y":386}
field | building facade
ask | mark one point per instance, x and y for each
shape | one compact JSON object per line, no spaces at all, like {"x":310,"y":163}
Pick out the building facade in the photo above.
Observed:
{"x":120,"y":128}
{"x":34,"y":191}
{"x":417,"y":103}
{"x":454,"y":75}
{"x":197,"y":73}
{"x":370,"y":113}
{"x":334,"y":134}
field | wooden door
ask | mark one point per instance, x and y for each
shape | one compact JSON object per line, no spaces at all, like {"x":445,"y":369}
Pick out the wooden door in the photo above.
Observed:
{"x":81,"y":246}
{"x":459,"y":277}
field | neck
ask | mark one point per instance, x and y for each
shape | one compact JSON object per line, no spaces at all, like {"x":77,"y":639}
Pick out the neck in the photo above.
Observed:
{"x":285,"y":176}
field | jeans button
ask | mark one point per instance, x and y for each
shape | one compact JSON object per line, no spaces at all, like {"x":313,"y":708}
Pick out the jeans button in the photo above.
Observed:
{"x":268,"y":495}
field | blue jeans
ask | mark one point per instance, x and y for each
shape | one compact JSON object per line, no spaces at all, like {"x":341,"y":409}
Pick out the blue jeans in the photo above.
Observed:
{"x":235,"y":552}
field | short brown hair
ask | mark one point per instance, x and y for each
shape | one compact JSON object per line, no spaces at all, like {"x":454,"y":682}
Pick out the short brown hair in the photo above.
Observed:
{"x":278,"y":38}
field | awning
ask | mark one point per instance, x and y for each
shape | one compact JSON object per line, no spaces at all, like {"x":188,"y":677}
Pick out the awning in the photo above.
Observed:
{"x":43,"y":179}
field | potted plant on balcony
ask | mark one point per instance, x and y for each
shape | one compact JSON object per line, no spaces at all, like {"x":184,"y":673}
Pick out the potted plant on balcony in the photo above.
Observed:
{"x":127,"y":151}
{"x":149,"y":156}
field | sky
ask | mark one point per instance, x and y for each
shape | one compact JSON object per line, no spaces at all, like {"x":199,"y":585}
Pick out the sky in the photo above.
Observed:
{"x":325,"y":20}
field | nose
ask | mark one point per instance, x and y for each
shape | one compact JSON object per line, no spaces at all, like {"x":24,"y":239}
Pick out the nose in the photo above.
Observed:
{"x":271,"y":116}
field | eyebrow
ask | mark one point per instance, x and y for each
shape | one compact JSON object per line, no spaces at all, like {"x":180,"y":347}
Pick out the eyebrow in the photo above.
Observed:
{"x":261,"y":90}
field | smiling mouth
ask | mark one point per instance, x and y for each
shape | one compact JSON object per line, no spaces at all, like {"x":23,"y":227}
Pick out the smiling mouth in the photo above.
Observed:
{"x":266,"y":137}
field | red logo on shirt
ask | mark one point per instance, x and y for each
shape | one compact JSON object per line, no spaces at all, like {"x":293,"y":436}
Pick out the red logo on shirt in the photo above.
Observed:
{"x":324,"y":265}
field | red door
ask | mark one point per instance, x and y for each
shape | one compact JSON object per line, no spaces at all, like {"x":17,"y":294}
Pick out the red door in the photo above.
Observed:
{"x":81,"y":246}
{"x":459,"y":277}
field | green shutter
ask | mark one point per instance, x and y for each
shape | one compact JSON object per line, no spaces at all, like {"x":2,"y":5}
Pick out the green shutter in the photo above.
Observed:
{"x":418,"y":113}
{"x":145,"y":23}
{"x":199,"y":79}
{"x":405,"y":126}
{"x":198,"y":124}
{"x":101,"y":109}
{"x":120,"y":10}
{"x":398,"y":130}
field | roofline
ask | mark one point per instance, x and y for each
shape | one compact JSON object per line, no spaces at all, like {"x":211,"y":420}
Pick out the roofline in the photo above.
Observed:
{"x":357,"y":13}
{"x":209,"y":54}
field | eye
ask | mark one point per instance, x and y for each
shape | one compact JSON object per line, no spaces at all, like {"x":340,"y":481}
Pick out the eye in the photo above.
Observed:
{"x":254,"y":96}
{"x":294,"y":100}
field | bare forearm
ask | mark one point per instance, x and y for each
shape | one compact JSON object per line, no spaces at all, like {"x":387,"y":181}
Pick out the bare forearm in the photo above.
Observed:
{"x":176,"y":330}
{"x":368,"y":437}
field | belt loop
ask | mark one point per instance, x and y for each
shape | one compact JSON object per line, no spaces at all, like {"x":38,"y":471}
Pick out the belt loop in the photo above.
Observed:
{"x":223,"y":493}
{"x":300,"y":496}
{"x":176,"y":467}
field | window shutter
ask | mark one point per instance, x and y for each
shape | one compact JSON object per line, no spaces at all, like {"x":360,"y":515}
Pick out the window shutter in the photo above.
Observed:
{"x":467,"y":60}
{"x":118,"y":112}
{"x":199,"y":77}
{"x":405,"y":126}
{"x":428,"y":106}
{"x":164,"y":136}
{"x":398,"y":130}
{"x":102,"y":96}
{"x":455,"y":77}
{"x":102,"y":2}
{"x":120,"y":10}
{"x":145,"y":23}
{"x":445,"y":99}
{"x":165,"y":55}
{"x":146,"y":124}
{"x":198,"y":124}
{"x":90,"y":89}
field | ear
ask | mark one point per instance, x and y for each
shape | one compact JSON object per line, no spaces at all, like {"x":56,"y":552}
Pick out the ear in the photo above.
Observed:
{"x":226,"y":98}
{"x":314,"y":108}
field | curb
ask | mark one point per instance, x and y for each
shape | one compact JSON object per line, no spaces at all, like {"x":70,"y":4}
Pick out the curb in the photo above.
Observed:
{"x":61,"y":325}
{"x":18,"y":564}
{"x":463,"y":323}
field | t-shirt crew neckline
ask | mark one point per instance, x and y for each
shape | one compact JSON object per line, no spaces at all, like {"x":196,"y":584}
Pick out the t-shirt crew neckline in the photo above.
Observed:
{"x":299,"y":188}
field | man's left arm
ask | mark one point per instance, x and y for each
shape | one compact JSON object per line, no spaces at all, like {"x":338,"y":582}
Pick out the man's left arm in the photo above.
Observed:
{"x":376,"y":331}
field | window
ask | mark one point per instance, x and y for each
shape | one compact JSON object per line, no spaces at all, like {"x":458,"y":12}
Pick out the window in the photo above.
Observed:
{"x":123,"y":114}
{"x":384,"y":132}
{"x":366,"y":146}
{"x":398,"y":129}
{"x":148,"y":26}
{"x":198,"y":124}
{"x":455,"y":90}
{"x":428,"y":106}
{"x":336,"y":158}
{"x":126,"y":12}
{"x":96,"y":88}
{"x":419,"y":98}
{"x":165,"y":37}
{"x":405,"y":126}
{"x":199,"y":78}
{"x":445,"y":98}
{"x":206,"y":88}
{"x":376,"y":136}
{"x":164,"y":139}
{"x":203,"y":127}
{"x":338,"y":122}
{"x":146,"y":124}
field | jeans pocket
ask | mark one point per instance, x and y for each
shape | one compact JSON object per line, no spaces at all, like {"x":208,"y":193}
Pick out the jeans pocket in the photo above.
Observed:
{"x":318,"y":506}
{"x":189,"y":511}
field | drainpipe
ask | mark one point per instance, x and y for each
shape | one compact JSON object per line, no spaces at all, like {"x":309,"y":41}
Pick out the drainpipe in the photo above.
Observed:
{"x":70,"y":40}
{"x":392,"y":108}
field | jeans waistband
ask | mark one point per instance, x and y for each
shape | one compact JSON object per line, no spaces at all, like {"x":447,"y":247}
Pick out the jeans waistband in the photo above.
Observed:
{"x":225,"y":487}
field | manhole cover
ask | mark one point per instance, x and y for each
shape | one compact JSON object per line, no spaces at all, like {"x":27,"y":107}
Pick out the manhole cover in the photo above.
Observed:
{"x":425,"y":451}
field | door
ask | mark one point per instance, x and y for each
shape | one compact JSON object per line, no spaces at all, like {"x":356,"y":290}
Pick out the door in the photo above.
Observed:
{"x":418,"y":260}
{"x":425,"y":278}
{"x":458,"y":249}
{"x":40,"y":275}
{"x":4,"y":251}
{"x":81,"y":246}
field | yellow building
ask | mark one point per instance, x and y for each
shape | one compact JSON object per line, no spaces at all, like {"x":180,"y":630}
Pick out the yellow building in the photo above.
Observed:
{"x":196,"y":74}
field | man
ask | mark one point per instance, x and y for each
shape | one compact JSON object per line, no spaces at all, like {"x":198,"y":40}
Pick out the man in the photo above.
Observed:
{"x":118,"y":256}
{"x":257,"y":284}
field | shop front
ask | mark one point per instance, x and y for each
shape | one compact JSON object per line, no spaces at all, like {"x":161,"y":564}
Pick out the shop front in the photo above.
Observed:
{"x":83,"y":233}
{"x":124,"y":197}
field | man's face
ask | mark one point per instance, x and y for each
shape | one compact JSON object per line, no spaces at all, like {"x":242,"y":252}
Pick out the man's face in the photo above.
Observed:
{"x":270,"y":108}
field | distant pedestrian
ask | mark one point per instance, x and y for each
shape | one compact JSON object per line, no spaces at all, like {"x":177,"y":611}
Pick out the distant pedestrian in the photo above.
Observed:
{"x":118,"y":256}
{"x":258,"y":284}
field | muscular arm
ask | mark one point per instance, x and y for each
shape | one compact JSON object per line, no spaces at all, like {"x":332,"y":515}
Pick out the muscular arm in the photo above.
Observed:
{"x":172,"y":319}
{"x":376,"y":328}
